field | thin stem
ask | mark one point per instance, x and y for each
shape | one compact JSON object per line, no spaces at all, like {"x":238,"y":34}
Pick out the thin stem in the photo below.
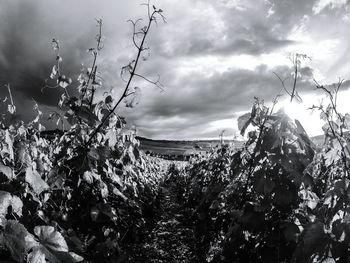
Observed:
{"x":10,"y":94}
{"x":295,"y":77}
{"x":92,"y":73}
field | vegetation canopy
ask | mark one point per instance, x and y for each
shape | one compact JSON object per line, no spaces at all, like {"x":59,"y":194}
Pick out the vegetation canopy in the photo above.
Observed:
{"x":86,"y":193}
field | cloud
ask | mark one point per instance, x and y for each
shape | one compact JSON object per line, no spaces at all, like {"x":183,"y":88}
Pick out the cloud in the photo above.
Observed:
{"x":204,"y":99}
{"x":213,"y":56}
{"x":320,"y":5}
{"x":230,"y":27}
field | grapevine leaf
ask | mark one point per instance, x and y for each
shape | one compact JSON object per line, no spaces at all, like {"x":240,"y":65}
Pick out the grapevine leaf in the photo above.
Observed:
{"x":108,"y":99}
{"x":11,"y":109}
{"x":50,"y":238}
{"x":243,"y":122}
{"x":54,"y":72}
{"x":41,"y":254}
{"x":34,"y":179}
{"x":86,"y":114}
{"x":104,"y":190}
{"x":15,"y":239}
{"x":36,"y":256}
{"x":117,"y":192}
{"x":347,"y":121}
{"x":9,"y":142}
{"x":6,"y":200}
{"x":52,"y":247}
{"x":310,"y":198}
{"x":63,"y":81}
{"x":132,"y":101}
{"x":7,"y":171}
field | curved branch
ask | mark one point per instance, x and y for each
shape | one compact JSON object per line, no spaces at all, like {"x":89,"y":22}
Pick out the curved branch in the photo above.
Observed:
{"x":282,"y":82}
{"x":156,"y":83}
{"x":134,"y":30}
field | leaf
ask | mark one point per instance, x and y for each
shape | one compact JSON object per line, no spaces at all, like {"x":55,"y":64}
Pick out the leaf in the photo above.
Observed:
{"x":323,"y":116}
{"x":7,"y":200}
{"x":135,"y":98}
{"x":52,"y":247}
{"x":63,"y":81}
{"x":76,"y":257}
{"x":17,"y":205}
{"x":89,"y":177}
{"x":108,"y":99}
{"x":310,"y":198}
{"x":50,"y":238}
{"x":7,"y":171}
{"x":86,"y":114}
{"x":54,"y":44}
{"x":9,"y":142}
{"x":15,"y":239}
{"x":40,"y":254}
{"x":11,"y":108}
{"x":36,"y":256}
{"x":243,"y":122}
{"x":117,"y":192}
{"x":104,"y":190}
{"x":34,"y":179}
{"x":54,"y":72}
{"x":347,"y":121}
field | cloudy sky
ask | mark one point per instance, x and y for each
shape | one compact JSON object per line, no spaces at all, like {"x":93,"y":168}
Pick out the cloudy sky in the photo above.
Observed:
{"x":213,"y":56}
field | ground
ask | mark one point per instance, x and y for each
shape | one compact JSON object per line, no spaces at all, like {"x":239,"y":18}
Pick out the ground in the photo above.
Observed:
{"x":169,"y":237}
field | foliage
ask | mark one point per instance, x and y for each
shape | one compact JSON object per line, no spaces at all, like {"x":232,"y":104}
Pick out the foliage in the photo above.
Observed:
{"x":277,"y":199}
{"x":81,"y":194}
{"x":84,"y":193}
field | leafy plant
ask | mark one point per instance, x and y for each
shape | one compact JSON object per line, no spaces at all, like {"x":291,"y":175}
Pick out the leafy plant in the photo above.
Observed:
{"x":80,"y":194}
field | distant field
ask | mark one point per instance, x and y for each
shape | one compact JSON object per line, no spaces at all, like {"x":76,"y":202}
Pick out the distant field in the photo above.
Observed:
{"x":187,"y":148}
{"x":180,"y":148}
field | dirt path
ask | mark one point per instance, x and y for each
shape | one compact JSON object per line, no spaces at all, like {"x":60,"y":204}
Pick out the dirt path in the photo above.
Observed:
{"x":169,"y":239}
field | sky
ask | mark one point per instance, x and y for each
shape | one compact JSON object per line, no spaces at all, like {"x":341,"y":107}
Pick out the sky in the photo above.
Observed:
{"x":213,"y":57}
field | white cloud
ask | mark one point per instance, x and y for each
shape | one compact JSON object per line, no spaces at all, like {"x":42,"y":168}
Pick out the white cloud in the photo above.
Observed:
{"x":322,"y":4}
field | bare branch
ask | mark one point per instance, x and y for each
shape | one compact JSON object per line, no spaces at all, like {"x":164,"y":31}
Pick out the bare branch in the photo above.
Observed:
{"x":156,"y":83}
{"x":92,"y":73}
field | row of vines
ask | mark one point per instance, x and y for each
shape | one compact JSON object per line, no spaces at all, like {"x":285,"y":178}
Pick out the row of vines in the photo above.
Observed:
{"x":85,"y":192}
{"x":280,"y":198}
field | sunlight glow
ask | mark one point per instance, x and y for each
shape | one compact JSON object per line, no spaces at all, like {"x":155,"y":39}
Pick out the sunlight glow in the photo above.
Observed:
{"x":301,"y":111}
{"x":311,"y":119}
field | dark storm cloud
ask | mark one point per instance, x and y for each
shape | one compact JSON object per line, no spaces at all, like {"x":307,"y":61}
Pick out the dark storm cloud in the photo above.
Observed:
{"x":26,"y":31}
{"x":26,"y":56}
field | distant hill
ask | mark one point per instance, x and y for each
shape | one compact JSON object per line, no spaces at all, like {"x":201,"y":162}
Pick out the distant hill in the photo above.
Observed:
{"x":319,"y":139}
{"x":181,"y":148}
{"x":184,"y":148}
